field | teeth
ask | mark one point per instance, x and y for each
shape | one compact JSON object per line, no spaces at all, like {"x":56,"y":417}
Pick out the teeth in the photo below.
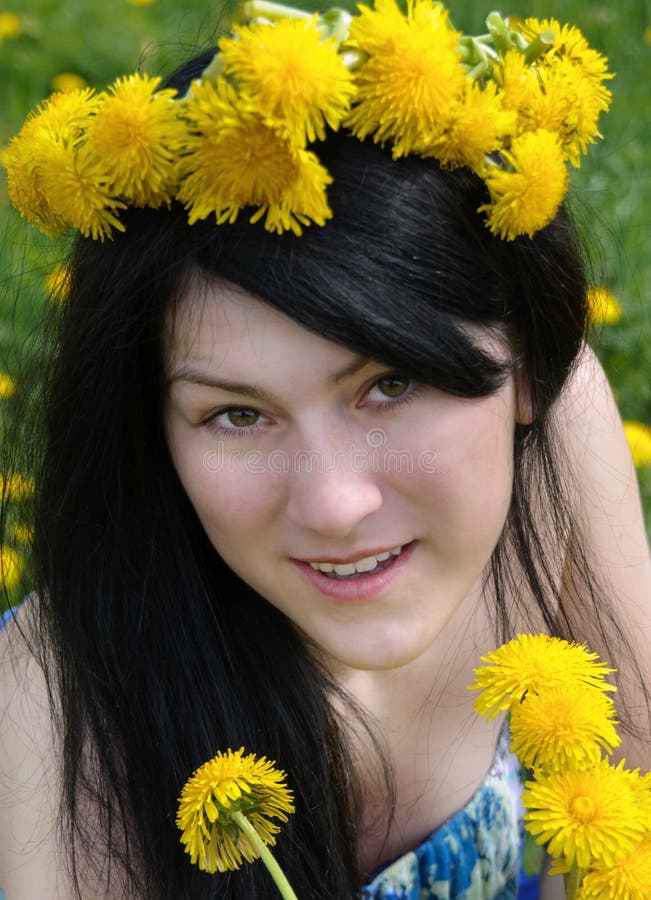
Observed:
{"x":345,"y":569}
{"x":367,"y":564}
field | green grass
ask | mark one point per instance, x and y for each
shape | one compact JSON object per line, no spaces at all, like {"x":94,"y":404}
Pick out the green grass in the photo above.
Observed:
{"x":612,"y":190}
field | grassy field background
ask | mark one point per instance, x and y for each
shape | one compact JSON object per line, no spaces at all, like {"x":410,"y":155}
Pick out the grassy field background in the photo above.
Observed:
{"x":41,"y":39}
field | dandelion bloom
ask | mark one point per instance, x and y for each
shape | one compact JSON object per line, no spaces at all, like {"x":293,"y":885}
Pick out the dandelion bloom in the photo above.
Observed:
{"x":628,"y":879}
{"x":585,"y":815}
{"x":67,"y":81}
{"x":292,"y":76}
{"x":136,"y":134}
{"x":638,"y":436}
{"x":527,"y":192}
{"x":411,"y":75}
{"x":476,"y":125}
{"x":57,"y":283}
{"x":603,"y":306}
{"x":7,"y":385}
{"x":563,"y":726}
{"x":231,"y":159}
{"x":530,"y":663}
{"x":10,"y":26}
{"x":231,"y":783}
{"x":17,"y":486}
{"x":11,"y":567}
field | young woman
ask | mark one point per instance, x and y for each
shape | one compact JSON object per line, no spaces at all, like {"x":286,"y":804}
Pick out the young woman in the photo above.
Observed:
{"x":292,"y":487}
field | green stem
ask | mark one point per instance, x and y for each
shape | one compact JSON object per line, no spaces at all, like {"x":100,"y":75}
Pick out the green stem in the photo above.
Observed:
{"x":573,"y":880}
{"x":269,"y":10}
{"x":539,"y":45}
{"x":266,"y":856}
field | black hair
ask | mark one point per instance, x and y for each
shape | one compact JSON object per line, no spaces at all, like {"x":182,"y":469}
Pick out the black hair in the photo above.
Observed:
{"x":159,"y":654}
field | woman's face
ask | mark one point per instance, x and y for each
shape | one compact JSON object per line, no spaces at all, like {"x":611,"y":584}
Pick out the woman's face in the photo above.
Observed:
{"x":293,"y":451}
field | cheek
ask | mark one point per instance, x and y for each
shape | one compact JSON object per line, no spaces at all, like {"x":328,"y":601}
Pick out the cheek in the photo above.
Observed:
{"x":462,"y":477}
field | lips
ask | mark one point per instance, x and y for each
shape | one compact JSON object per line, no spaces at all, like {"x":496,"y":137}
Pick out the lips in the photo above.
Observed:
{"x":362,"y":586}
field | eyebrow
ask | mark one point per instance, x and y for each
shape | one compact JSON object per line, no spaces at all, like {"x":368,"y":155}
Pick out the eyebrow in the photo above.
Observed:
{"x":195,"y":376}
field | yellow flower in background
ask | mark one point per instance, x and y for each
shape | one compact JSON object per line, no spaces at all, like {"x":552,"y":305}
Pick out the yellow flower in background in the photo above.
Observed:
{"x":67,"y":81}
{"x":226,"y":787}
{"x":585,"y":815}
{"x":10,"y":26}
{"x":565,"y":726}
{"x":412,"y":75}
{"x":629,"y":879}
{"x":16,"y":486}
{"x":11,"y":567}
{"x":292,"y":76}
{"x":136,"y":133}
{"x":21,"y":533}
{"x":532,"y":663}
{"x":647,"y":34}
{"x":7,"y":385}
{"x":603,"y":306}
{"x":57,"y":283}
{"x":526,"y":196}
{"x":141,"y":2}
{"x":231,"y":160}
{"x":638,"y":436}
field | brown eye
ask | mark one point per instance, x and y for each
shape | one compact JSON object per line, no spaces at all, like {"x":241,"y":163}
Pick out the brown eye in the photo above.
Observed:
{"x":393,"y":385}
{"x":242,"y":418}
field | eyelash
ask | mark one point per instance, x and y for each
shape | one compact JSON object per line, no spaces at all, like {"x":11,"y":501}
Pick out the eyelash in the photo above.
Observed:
{"x":413,"y":390}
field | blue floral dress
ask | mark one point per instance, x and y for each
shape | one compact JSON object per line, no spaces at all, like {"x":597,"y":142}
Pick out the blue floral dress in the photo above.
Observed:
{"x":475,"y":855}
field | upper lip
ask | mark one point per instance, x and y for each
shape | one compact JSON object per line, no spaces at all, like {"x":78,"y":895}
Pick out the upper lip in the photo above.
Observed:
{"x":352,"y":557}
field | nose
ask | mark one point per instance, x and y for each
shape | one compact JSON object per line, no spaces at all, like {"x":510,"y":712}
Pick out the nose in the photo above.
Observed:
{"x":332,"y":499}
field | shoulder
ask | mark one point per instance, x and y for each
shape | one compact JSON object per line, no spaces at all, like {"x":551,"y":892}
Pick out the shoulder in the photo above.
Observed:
{"x":603,"y":487}
{"x":29,"y":864}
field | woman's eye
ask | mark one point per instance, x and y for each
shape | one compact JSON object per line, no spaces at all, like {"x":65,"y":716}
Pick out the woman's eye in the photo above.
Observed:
{"x":393,"y":386}
{"x":241,"y":418}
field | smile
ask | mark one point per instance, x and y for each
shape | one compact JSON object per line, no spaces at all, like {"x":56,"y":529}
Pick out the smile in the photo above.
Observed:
{"x":358,"y":580}
{"x":366,"y":564}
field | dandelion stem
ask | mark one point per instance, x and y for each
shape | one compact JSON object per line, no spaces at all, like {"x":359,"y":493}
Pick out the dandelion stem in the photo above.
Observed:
{"x":573,"y":880}
{"x":266,"y":856}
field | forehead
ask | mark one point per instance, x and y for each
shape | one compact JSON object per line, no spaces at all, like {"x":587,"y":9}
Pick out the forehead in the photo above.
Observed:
{"x":221,"y":324}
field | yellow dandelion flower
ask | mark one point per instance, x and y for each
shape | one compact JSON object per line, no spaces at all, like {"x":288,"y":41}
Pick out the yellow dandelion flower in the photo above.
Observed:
{"x":11,"y":567}
{"x":7,"y":386}
{"x":21,"y":533}
{"x":565,"y":726}
{"x":603,"y":307}
{"x":65,"y":115}
{"x":292,"y":76}
{"x":232,"y":159}
{"x":476,"y":124}
{"x":569,"y":103}
{"x":75,"y":187}
{"x":638,"y":436}
{"x":530,"y":663}
{"x":412,"y":75}
{"x":23,"y":185}
{"x":10,"y":26}
{"x":584,"y":815}
{"x":229,"y":784}
{"x":67,"y":81}
{"x":16,"y":486}
{"x":526,"y":197}
{"x":136,"y":135}
{"x":141,"y":2}
{"x":647,"y":34}
{"x":518,"y":82}
{"x":57,"y":283}
{"x":629,"y":879}
{"x":569,"y":44}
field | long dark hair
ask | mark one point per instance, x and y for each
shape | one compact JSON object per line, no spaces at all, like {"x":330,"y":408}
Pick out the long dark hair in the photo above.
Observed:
{"x":157,"y":653}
